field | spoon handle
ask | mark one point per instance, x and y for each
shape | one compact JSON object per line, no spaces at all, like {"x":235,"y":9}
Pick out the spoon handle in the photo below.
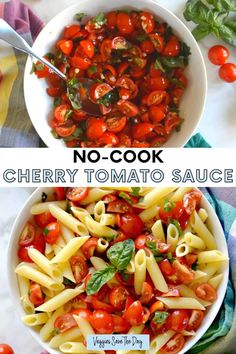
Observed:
{"x":9,"y":35}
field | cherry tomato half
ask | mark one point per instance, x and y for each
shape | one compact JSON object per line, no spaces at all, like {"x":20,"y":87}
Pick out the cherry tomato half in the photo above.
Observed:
{"x":77,"y":194}
{"x":178,"y":320}
{"x":206,"y":292}
{"x":79,"y":268}
{"x":89,"y":247}
{"x":174,"y":345}
{"x":195,"y":320}
{"x":102,"y":322}
{"x":65,"y":322}
{"x":28,"y":235}
{"x":124,"y":23}
{"x":36,"y":294}
{"x":52,"y":232}
{"x":131,"y":225}
{"x":118,"y":296}
{"x":134,"y":313}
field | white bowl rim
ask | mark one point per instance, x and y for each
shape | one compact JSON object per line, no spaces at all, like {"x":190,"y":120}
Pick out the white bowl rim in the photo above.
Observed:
{"x":216,"y":306}
{"x":58,"y":143}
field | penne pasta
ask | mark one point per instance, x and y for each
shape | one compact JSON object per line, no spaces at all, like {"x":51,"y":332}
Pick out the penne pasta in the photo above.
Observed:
{"x":149,"y":213}
{"x":183,"y":249}
{"x":66,"y":271}
{"x":68,"y":220}
{"x":216,"y":280}
{"x":38,"y":277}
{"x":43,"y":263}
{"x":211,"y":256}
{"x":194,"y":241}
{"x":202,"y":231}
{"x":99,"y":210}
{"x":75,"y":348}
{"x":155,"y":196}
{"x":24,"y":286}
{"x":60,"y":299}
{"x":159,"y":341}
{"x":203,"y":215}
{"x":181,"y":303}
{"x":70,"y":335}
{"x":108,"y":219}
{"x":172,"y":236}
{"x":98,"y":230}
{"x":43,"y":207}
{"x":158,"y":232}
{"x":140,"y":271}
{"x":84,"y":326}
{"x":70,"y":249}
{"x":155,"y":273}
{"x":178,"y":195}
{"x":46,"y":331}
{"x":102,"y":245}
{"x":66,"y":233}
{"x":35,"y":319}
{"x":94,"y":195}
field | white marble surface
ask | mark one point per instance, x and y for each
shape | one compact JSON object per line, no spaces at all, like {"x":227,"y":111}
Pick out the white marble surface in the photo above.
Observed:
{"x":218,"y":124}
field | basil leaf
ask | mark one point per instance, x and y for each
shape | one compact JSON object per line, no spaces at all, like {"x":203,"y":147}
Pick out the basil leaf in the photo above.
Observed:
{"x":93,"y":69}
{"x":201,"y":31}
{"x":159,"y":258}
{"x":57,"y":101}
{"x":223,"y":5}
{"x":109,"y":98}
{"x":80,"y":16}
{"x":168,"y":205}
{"x":196,"y":11}
{"x":135,"y":191}
{"x":99,"y":278}
{"x":99,"y":20}
{"x":172,"y":62}
{"x":73,"y":94}
{"x":126,"y":197}
{"x":160,"y":317}
{"x":158,"y":65}
{"x":120,"y":253}
{"x":153,"y":247}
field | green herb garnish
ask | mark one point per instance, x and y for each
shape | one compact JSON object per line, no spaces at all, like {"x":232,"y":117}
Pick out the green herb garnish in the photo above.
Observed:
{"x":80,"y":16}
{"x":168,"y":205}
{"x":99,"y":278}
{"x":160,"y":316}
{"x":121,"y":253}
{"x":126,"y":197}
{"x":99,"y":20}
{"x":135,"y":191}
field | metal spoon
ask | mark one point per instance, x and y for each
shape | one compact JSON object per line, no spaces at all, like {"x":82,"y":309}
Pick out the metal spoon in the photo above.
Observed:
{"x":9,"y":35}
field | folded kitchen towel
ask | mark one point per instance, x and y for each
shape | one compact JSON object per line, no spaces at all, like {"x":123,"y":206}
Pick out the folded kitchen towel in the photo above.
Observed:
{"x":16,"y":129}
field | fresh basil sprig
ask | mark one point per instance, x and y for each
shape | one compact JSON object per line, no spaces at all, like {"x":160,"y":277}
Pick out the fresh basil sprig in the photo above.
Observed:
{"x":120,"y":253}
{"x":99,"y":278}
{"x":160,"y":317}
{"x":213,"y":16}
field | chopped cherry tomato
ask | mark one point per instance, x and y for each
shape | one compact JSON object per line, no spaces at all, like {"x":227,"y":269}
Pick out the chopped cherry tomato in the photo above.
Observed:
{"x":227,"y":72}
{"x":36,"y":294}
{"x":178,"y":320}
{"x":77,"y":194}
{"x":66,"y":46}
{"x":190,"y":259}
{"x":28,"y":235}
{"x":192,"y":200}
{"x":146,"y":293}
{"x":119,"y":43}
{"x":38,"y":243}
{"x":116,"y":125}
{"x":140,"y":242}
{"x":157,"y":306}
{"x":6,"y":349}
{"x":155,"y":97}
{"x":184,"y":274}
{"x":147,"y":22}
{"x":96,"y":128}
{"x":172,"y":48}
{"x":157,"y":41}
{"x":89,"y":247}
{"x":166,"y":267}
{"x":120,"y":324}
{"x":206,"y":292}
{"x":119,"y":206}
{"x":156,"y":114}
{"x":124,"y":23}
{"x":195,"y":320}
{"x":108,"y":138}
{"x":79,"y":268}
{"x":66,"y":129}
{"x":100,"y":305}
{"x":44,"y":219}
{"x":65,"y":322}
{"x":83,"y":313}
{"x":71,"y":31}
{"x":111,"y":20}
{"x":134,"y":313}
{"x":141,"y":130}
{"x":127,"y":108}
{"x":147,"y":46}
{"x":108,"y":198}
{"x":106,"y":48}
{"x":99,"y":90}
{"x":218,"y":55}
{"x":131,"y":224}
{"x":174,"y":345}
{"x":102,"y":322}
{"x":52,"y":232}
{"x":61,"y":112}
{"x":118,"y":296}
{"x":158,"y":83}
{"x":54,"y":91}
{"x":59,"y":193}
{"x":87,"y":47}
{"x":80,"y":63}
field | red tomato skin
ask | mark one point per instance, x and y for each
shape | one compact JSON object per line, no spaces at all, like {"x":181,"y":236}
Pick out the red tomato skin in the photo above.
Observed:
{"x":120,"y":324}
{"x":27,"y":236}
{"x":134,"y":314}
{"x":79,"y":268}
{"x":39,"y":244}
{"x":89,"y":247}
{"x":118,"y":296}
{"x":119,"y":206}
{"x":141,"y":130}
{"x":178,"y":320}
{"x":140,"y":242}
{"x":65,"y":322}
{"x":52,"y":232}
{"x":172,"y":48}
{"x":206,"y":292}
{"x":195,"y":320}
{"x":131,"y":225}
{"x":96,"y":129}
{"x":218,"y":55}
{"x":6,"y":349}
{"x":77,"y":194}
{"x":146,"y":293}
{"x":100,"y":305}
{"x":227,"y":72}
{"x":124,"y":23}
{"x":36,"y":295}
{"x":102,"y":321}
{"x":174,"y":345}
{"x":59,"y":193}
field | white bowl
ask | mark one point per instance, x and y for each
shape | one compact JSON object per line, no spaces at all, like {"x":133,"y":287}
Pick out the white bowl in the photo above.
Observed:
{"x":12,"y":260}
{"x":39,"y":104}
